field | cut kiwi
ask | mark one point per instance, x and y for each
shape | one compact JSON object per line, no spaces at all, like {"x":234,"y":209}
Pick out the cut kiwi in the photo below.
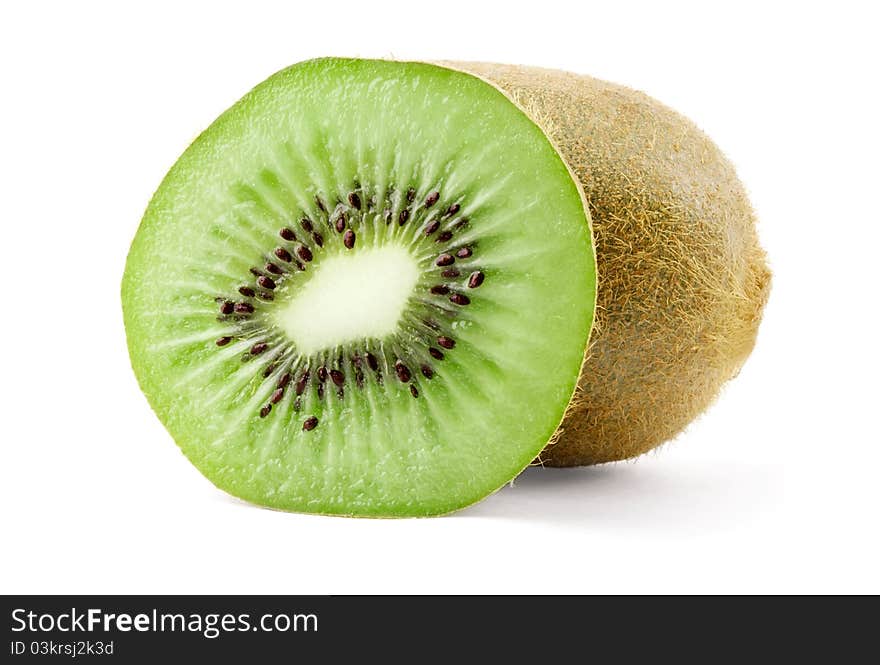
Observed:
{"x":366,"y":289}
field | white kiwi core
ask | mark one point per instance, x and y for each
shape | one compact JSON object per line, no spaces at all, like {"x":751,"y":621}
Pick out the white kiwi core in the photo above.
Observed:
{"x":351,"y":297}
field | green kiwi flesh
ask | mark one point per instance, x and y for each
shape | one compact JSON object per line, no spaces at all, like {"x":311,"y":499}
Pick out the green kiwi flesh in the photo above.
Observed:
{"x":365,"y":289}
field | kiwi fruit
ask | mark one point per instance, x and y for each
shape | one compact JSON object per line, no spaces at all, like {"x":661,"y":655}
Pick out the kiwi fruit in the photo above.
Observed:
{"x":682,"y":277}
{"x":366,"y":289}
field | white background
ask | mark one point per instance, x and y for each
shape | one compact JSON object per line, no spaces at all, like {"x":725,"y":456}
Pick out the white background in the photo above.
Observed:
{"x":774,"y":490}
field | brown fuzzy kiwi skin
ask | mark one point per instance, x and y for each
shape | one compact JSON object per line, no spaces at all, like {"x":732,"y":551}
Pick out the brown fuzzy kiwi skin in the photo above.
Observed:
{"x":682,"y":277}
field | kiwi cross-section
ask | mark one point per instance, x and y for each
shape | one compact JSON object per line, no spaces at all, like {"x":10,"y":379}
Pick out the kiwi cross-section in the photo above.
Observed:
{"x":365,"y":289}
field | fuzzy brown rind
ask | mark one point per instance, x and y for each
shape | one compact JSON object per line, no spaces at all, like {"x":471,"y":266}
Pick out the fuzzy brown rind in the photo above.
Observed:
{"x":682,"y":277}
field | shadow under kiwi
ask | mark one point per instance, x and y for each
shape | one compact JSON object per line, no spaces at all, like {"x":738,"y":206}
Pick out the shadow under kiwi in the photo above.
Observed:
{"x":636,"y":495}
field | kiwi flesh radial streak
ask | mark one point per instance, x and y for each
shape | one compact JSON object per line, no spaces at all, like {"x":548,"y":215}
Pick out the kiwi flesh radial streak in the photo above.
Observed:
{"x":683,"y":279}
{"x":366,"y":289}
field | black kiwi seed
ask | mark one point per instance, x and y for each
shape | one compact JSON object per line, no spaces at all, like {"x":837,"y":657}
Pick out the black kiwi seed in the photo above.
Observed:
{"x":223,"y":341}
{"x":277,"y":395}
{"x":387,"y":215}
{"x":243,"y":308}
{"x":451,"y":273}
{"x":320,"y":203}
{"x":445,"y":236}
{"x":310,"y":423}
{"x":246,"y":291}
{"x":431,"y":199}
{"x":348,"y":239}
{"x":475,"y":279}
{"x":402,"y":371}
{"x":226,"y":307}
{"x":264,"y":295}
{"x":445,"y":260}
{"x":413,"y":390}
{"x":284,"y":380}
{"x":427,"y":372}
{"x":266,"y":282}
{"x":464,"y":253}
{"x":322,"y":374}
{"x":404,"y":215}
{"x":337,"y":377}
{"x":354,"y":201}
{"x":306,"y":224}
{"x":275,"y":270}
{"x":437,"y":354}
{"x":265,"y":410}
{"x":287,"y":234}
{"x":440,"y":290}
{"x":304,"y":253}
{"x":372,"y":362}
{"x":255,"y":272}
{"x":259,"y":348}
{"x":318,"y":238}
{"x":410,"y":195}
{"x":459,"y":299}
{"x":300,"y":386}
{"x":268,"y":371}
{"x":433,"y":226}
{"x":451,"y":210}
{"x":283,"y":254}
{"x":340,"y":223}
{"x":446,"y":342}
